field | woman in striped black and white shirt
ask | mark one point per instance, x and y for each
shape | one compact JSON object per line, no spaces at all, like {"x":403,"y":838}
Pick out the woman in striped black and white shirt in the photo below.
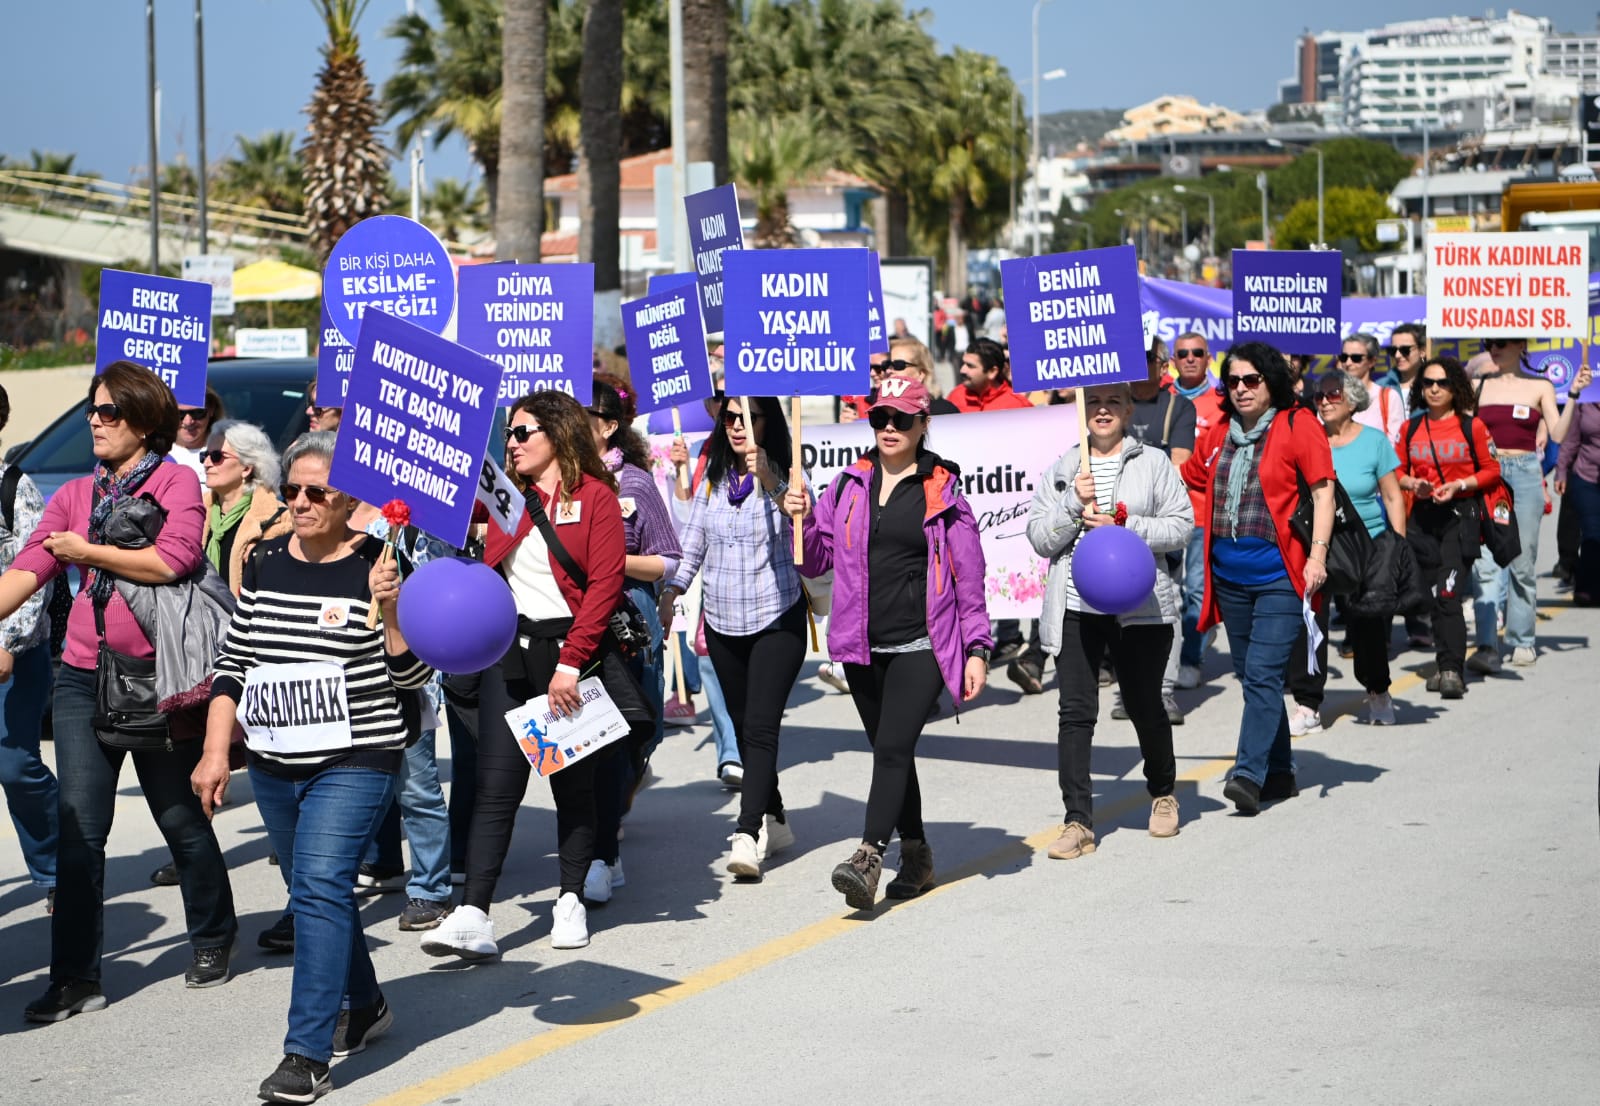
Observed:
{"x":323,"y":703}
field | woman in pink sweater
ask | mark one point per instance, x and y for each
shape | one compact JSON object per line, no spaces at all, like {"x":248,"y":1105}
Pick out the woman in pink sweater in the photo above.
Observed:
{"x":133,"y":418}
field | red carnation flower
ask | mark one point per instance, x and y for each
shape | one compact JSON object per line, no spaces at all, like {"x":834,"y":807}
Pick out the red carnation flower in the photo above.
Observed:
{"x":397,"y":514}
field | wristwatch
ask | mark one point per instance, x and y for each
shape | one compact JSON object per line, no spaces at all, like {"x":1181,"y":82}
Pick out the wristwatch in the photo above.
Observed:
{"x":980,"y":652}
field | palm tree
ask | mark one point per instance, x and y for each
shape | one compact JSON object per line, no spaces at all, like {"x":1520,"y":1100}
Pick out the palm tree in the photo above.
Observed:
{"x":452,"y":207}
{"x":266,"y":173}
{"x":770,"y":156}
{"x":346,"y":167}
{"x":48,"y":161}
{"x":599,"y":174}
{"x":705,"y":91}
{"x":448,"y":82}
{"x":519,"y":215}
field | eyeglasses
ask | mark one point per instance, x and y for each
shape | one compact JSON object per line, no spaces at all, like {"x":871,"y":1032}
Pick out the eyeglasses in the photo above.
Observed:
{"x":108,"y":412}
{"x":1435,"y":382}
{"x":192,"y":414}
{"x":731,"y":419}
{"x":1499,"y":343}
{"x":1251,"y":381}
{"x":1344,"y":357}
{"x":1182,"y":353}
{"x":891,"y":367}
{"x":521,"y":434}
{"x":314,"y":493}
{"x":317,"y":412}
{"x":1402,"y":351}
{"x":216,"y":456}
{"x":880,"y":418}
{"x":1330,"y":397}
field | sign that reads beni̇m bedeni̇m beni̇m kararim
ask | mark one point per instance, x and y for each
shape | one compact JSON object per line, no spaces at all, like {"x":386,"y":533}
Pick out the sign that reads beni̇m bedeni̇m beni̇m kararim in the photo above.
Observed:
{"x":536,"y":322}
{"x":1074,"y":319}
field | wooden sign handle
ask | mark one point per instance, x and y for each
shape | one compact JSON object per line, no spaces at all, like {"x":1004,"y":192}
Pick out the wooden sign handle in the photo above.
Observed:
{"x":372,"y":608}
{"x":677,"y":434}
{"x":1083,"y":432}
{"x":681,"y":675}
{"x":797,"y":478}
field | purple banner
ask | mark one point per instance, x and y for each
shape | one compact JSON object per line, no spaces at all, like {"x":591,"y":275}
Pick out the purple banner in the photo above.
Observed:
{"x":1288,"y":299}
{"x":713,"y":227}
{"x":666,"y":350}
{"x":536,"y":322}
{"x":1073,"y":319}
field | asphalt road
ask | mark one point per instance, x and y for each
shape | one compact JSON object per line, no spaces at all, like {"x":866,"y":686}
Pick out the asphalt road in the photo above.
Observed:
{"x":1417,"y":927}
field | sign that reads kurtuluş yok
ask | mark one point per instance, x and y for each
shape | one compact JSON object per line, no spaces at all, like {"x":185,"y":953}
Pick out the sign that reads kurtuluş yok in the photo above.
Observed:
{"x":796,"y":322}
{"x":536,"y":322}
{"x":159,"y":322}
{"x":714,"y":227}
{"x":666,"y":350}
{"x":1291,"y":299}
{"x":391,"y":264}
{"x":1073,"y":319}
{"x":1532,"y":284}
{"x":416,"y":424}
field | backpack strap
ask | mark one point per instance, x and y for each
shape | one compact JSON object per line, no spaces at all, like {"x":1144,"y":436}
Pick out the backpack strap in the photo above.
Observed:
{"x":1166,"y":423}
{"x":8,"y":495}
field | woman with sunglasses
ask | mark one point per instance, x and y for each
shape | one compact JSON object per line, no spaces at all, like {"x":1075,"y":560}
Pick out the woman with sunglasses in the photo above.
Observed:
{"x":652,"y":556}
{"x":194,"y":429}
{"x":1518,"y":409}
{"x":561,"y":633}
{"x":909,"y":358}
{"x":908,"y":579}
{"x":1259,"y":575}
{"x":321,"y":418}
{"x":242,"y":507}
{"x":1365,"y":463}
{"x":1387,"y":411}
{"x":754,"y":606}
{"x":132,"y":419}
{"x":1437,"y":467}
{"x":321,"y":784}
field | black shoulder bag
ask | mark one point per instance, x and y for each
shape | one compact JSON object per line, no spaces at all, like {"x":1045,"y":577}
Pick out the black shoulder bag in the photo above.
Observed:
{"x":627,"y":626}
{"x":125,"y":714}
{"x":1349,"y":545}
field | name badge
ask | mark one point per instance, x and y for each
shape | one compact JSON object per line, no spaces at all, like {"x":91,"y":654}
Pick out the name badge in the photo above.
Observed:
{"x":568,"y":512}
{"x":296,"y":709}
{"x":335,"y":613}
{"x":628,"y":505}
{"x":1521,"y":411}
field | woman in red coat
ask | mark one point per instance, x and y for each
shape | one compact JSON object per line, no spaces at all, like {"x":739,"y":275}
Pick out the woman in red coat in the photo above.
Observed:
{"x":560,"y":634}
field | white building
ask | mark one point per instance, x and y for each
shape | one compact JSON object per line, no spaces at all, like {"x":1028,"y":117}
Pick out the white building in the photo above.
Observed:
{"x":1576,"y":56}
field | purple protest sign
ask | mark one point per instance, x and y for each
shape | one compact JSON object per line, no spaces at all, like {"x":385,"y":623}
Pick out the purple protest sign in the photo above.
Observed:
{"x":416,"y":424}
{"x":391,"y":264}
{"x":334,"y":358}
{"x":877,"y":333}
{"x":666,"y":350}
{"x":666,"y":282}
{"x":713,"y":227}
{"x":162,"y":323}
{"x":536,"y":322}
{"x":1073,"y":319}
{"x":796,"y":322}
{"x":1288,"y":298}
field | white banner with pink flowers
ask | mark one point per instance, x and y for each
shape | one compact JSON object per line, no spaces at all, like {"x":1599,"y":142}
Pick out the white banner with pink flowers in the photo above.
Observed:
{"x":1001,"y":455}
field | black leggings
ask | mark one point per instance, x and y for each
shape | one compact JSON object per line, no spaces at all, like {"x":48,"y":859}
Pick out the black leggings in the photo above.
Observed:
{"x":893,"y":695}
{"x":1370,"y":639}
{"x":502,"y":781}
{"x":757,"y":672}
{"x":1140,"y":654}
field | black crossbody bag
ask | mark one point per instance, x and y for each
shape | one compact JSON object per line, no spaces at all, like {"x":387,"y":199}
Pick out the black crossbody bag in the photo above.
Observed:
{"x":125,"y":714}
{"x":626,"y":626}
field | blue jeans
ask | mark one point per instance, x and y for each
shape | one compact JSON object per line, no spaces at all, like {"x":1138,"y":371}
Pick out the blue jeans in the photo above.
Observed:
{"x":320,"y":828}
{"x":1194,"y":594}
{"x":419,"y":801}
{"x":1524,"y":476}
{"x":649,"y":667}
{"x":89,"y":772}
{"x":1263,"y":621}
{"x":721,"y":725}
{"x":31,"y":791}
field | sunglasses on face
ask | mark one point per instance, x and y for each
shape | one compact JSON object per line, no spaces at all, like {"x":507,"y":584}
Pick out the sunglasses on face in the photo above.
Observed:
{"x":1346,"y":357}
{"x":881,"y":418}
{"x":317,"y":412}
{"x":1402,"y":351}
{"x":108,"y":412}
{"x":1182,"y":353}
{"x":1330,"y":397}
{"x":731,"y":419}
{"x":314,"y":493}
{"x":192,"y":414}
{"x":1499,"y":343}
{"x":1435,"y":382}
{"x":1251,"y":381}
{"x":521,"y":434}
{"x":891,"y":367}
{"x":215,"y":456}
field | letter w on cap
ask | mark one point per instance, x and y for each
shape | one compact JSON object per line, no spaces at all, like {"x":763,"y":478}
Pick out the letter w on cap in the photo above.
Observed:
{"x":894,"y":386}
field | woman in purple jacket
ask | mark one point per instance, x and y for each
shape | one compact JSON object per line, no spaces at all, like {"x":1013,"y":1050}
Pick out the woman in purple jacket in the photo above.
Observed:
{"x":897,"y":518}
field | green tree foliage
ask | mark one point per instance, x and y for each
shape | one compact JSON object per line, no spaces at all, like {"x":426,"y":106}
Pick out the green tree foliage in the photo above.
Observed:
{"x":770,"y":156}
{"x":266,"y":173}
{"x":1350,"y":219}
{"x":1348,"y":163}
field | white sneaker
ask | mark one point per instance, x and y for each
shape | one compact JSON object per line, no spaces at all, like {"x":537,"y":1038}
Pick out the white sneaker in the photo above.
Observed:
{"x":1304,"y":720}
{"x":731,"y":775}
{"x":597,"y":883}
{"x":570,"y":928}
{"x":829,"y":674}
{"x":1524,"y":657}
{"x":1189,"y":676}
{"x":774,"y":836}
{"x":743,"y":859}
{"x":1380,"y":709}
{"x":466,"y":932}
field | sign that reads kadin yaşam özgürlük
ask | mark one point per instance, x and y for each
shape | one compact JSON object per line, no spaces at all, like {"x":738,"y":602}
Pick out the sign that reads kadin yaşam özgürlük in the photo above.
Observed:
{"x":713,"y":217}
{"x":795,"y":322}
{"x":536,"y":321}
{"x":1291,"y":299}
{"x":416,"y":424}
{"x":1521,"y":284}
{"x":159,"y":322}
{"x":391,"y":264}
{"x":666,"y":350}
{"x":1073,"y":319}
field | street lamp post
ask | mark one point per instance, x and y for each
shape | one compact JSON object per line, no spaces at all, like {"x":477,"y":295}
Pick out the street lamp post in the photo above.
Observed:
{"x":1211,"y":216}
{"x":1034,"y":159}
{"x":200,"y":114}
{"x":1266,"y":230}
{"x":155,"y":153}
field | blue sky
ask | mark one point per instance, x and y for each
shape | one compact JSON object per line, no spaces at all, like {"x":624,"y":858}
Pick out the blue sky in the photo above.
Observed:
{"x":73,"y":80}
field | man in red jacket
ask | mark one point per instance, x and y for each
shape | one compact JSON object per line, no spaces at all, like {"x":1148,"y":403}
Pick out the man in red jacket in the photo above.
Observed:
{"x":986,"y":380}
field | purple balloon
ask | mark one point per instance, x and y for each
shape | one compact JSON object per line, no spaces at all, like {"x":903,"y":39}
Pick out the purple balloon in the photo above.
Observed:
{"x":1113,"y":569}
{"x":457,"y":615}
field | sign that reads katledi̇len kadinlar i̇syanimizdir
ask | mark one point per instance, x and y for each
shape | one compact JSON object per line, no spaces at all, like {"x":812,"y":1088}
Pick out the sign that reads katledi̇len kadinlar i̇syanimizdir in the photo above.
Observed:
{"x":1290,"y":299}
{"x":1074,"y":319}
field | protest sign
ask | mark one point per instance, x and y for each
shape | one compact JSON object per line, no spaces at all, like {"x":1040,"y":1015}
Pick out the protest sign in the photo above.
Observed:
{"x":1532,"y":284}
{"x":713,"y":227}
{"x":877,"y":331}
{"x":1073,"y":319}
{"x":416,"y":423}
{"x":216,"y":270}
{"x":553,"y":741}
{"x":666,"y":282}
{"x":159,"y":322}
{"x":391,"y":264}
{"x":1289,"y":299}
{"x":277,"y":342}
{"x":536,"y":322}
{"x":666,"y":350}
{"x":298,"y":708}
{"x":796,"y":322}
{"x":500,"y":497}
{"x":334,"y":359}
